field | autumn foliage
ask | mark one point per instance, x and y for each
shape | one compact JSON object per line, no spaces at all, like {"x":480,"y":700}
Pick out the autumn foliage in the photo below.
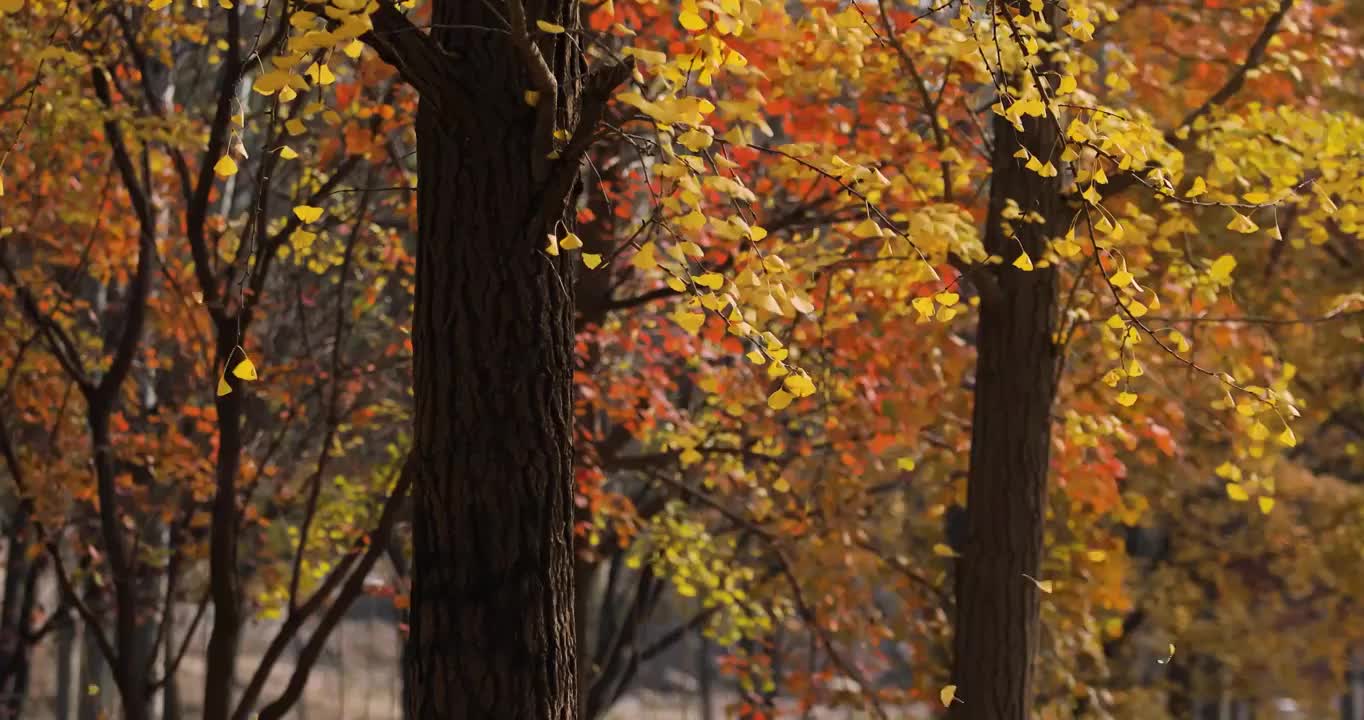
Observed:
{"x":780,"y":244}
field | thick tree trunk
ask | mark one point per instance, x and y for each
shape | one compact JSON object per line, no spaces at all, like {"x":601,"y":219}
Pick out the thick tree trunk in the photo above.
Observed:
{"x":492,"y":622}
{"x":996,"y":629}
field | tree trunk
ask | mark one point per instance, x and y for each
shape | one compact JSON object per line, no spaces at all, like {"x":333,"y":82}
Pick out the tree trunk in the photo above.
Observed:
{"x":492,"y":621}
{"x":15,"y":610}
{"x":996,"y":630}
{"x":65,"y":672}
{"x":94,"y":686}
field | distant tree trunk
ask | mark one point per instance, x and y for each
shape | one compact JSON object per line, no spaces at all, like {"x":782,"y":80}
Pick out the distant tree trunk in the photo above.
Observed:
{"x":705,"y":673}
{"x":1352,"y":703}
{"x":996,"y":629}
{"x":170,"y":693}
{"x":65,"y":674}
{"x":15,"y":610}
{"x":94,"y":687}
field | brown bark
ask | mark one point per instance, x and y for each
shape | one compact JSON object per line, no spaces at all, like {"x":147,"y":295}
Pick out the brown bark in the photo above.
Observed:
{"x":996,"y":630}
{"x":492,"y":616}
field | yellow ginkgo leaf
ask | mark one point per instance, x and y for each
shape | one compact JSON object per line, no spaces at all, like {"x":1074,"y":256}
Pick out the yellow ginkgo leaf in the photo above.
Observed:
{"x":245,"y":369}
{"x":1221,"y":268}
{"x":223,"y":387}
{"x":592,"y":260}
{"x":1199,"y":187}
{"x":549,"y":27}
{"x":1237,"y":492}
{"x":690,"y":321}
{"x":868,"y":229}
{"x":225,"y":167}
{"x":1242,"y":224}
{"x":711,"y":280}
{"x":644,"y":259}
{"x":799,"y":384}
{"x":308,"y":213}
{"x":905,"y":464}
{"x":570,"y":242}
{"x":1127,"y":399}
{"x":780,"y":399}
{"x":287,"y":152}
{"x":691,"y":21}
{"x":553,"y":247}
{"x":1067,"y":86}
{"x":1023,"y":262}
{"x":1287,"y":438}
{"x":947,"y":695}
{"x":1266,"y":503}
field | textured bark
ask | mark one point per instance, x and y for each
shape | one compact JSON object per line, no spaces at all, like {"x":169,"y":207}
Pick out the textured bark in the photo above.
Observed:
{"x":492,"y":621}
{"x":996,"y":628}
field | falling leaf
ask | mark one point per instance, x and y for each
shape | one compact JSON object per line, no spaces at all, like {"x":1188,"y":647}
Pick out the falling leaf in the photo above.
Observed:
{"x":947,"y":695}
